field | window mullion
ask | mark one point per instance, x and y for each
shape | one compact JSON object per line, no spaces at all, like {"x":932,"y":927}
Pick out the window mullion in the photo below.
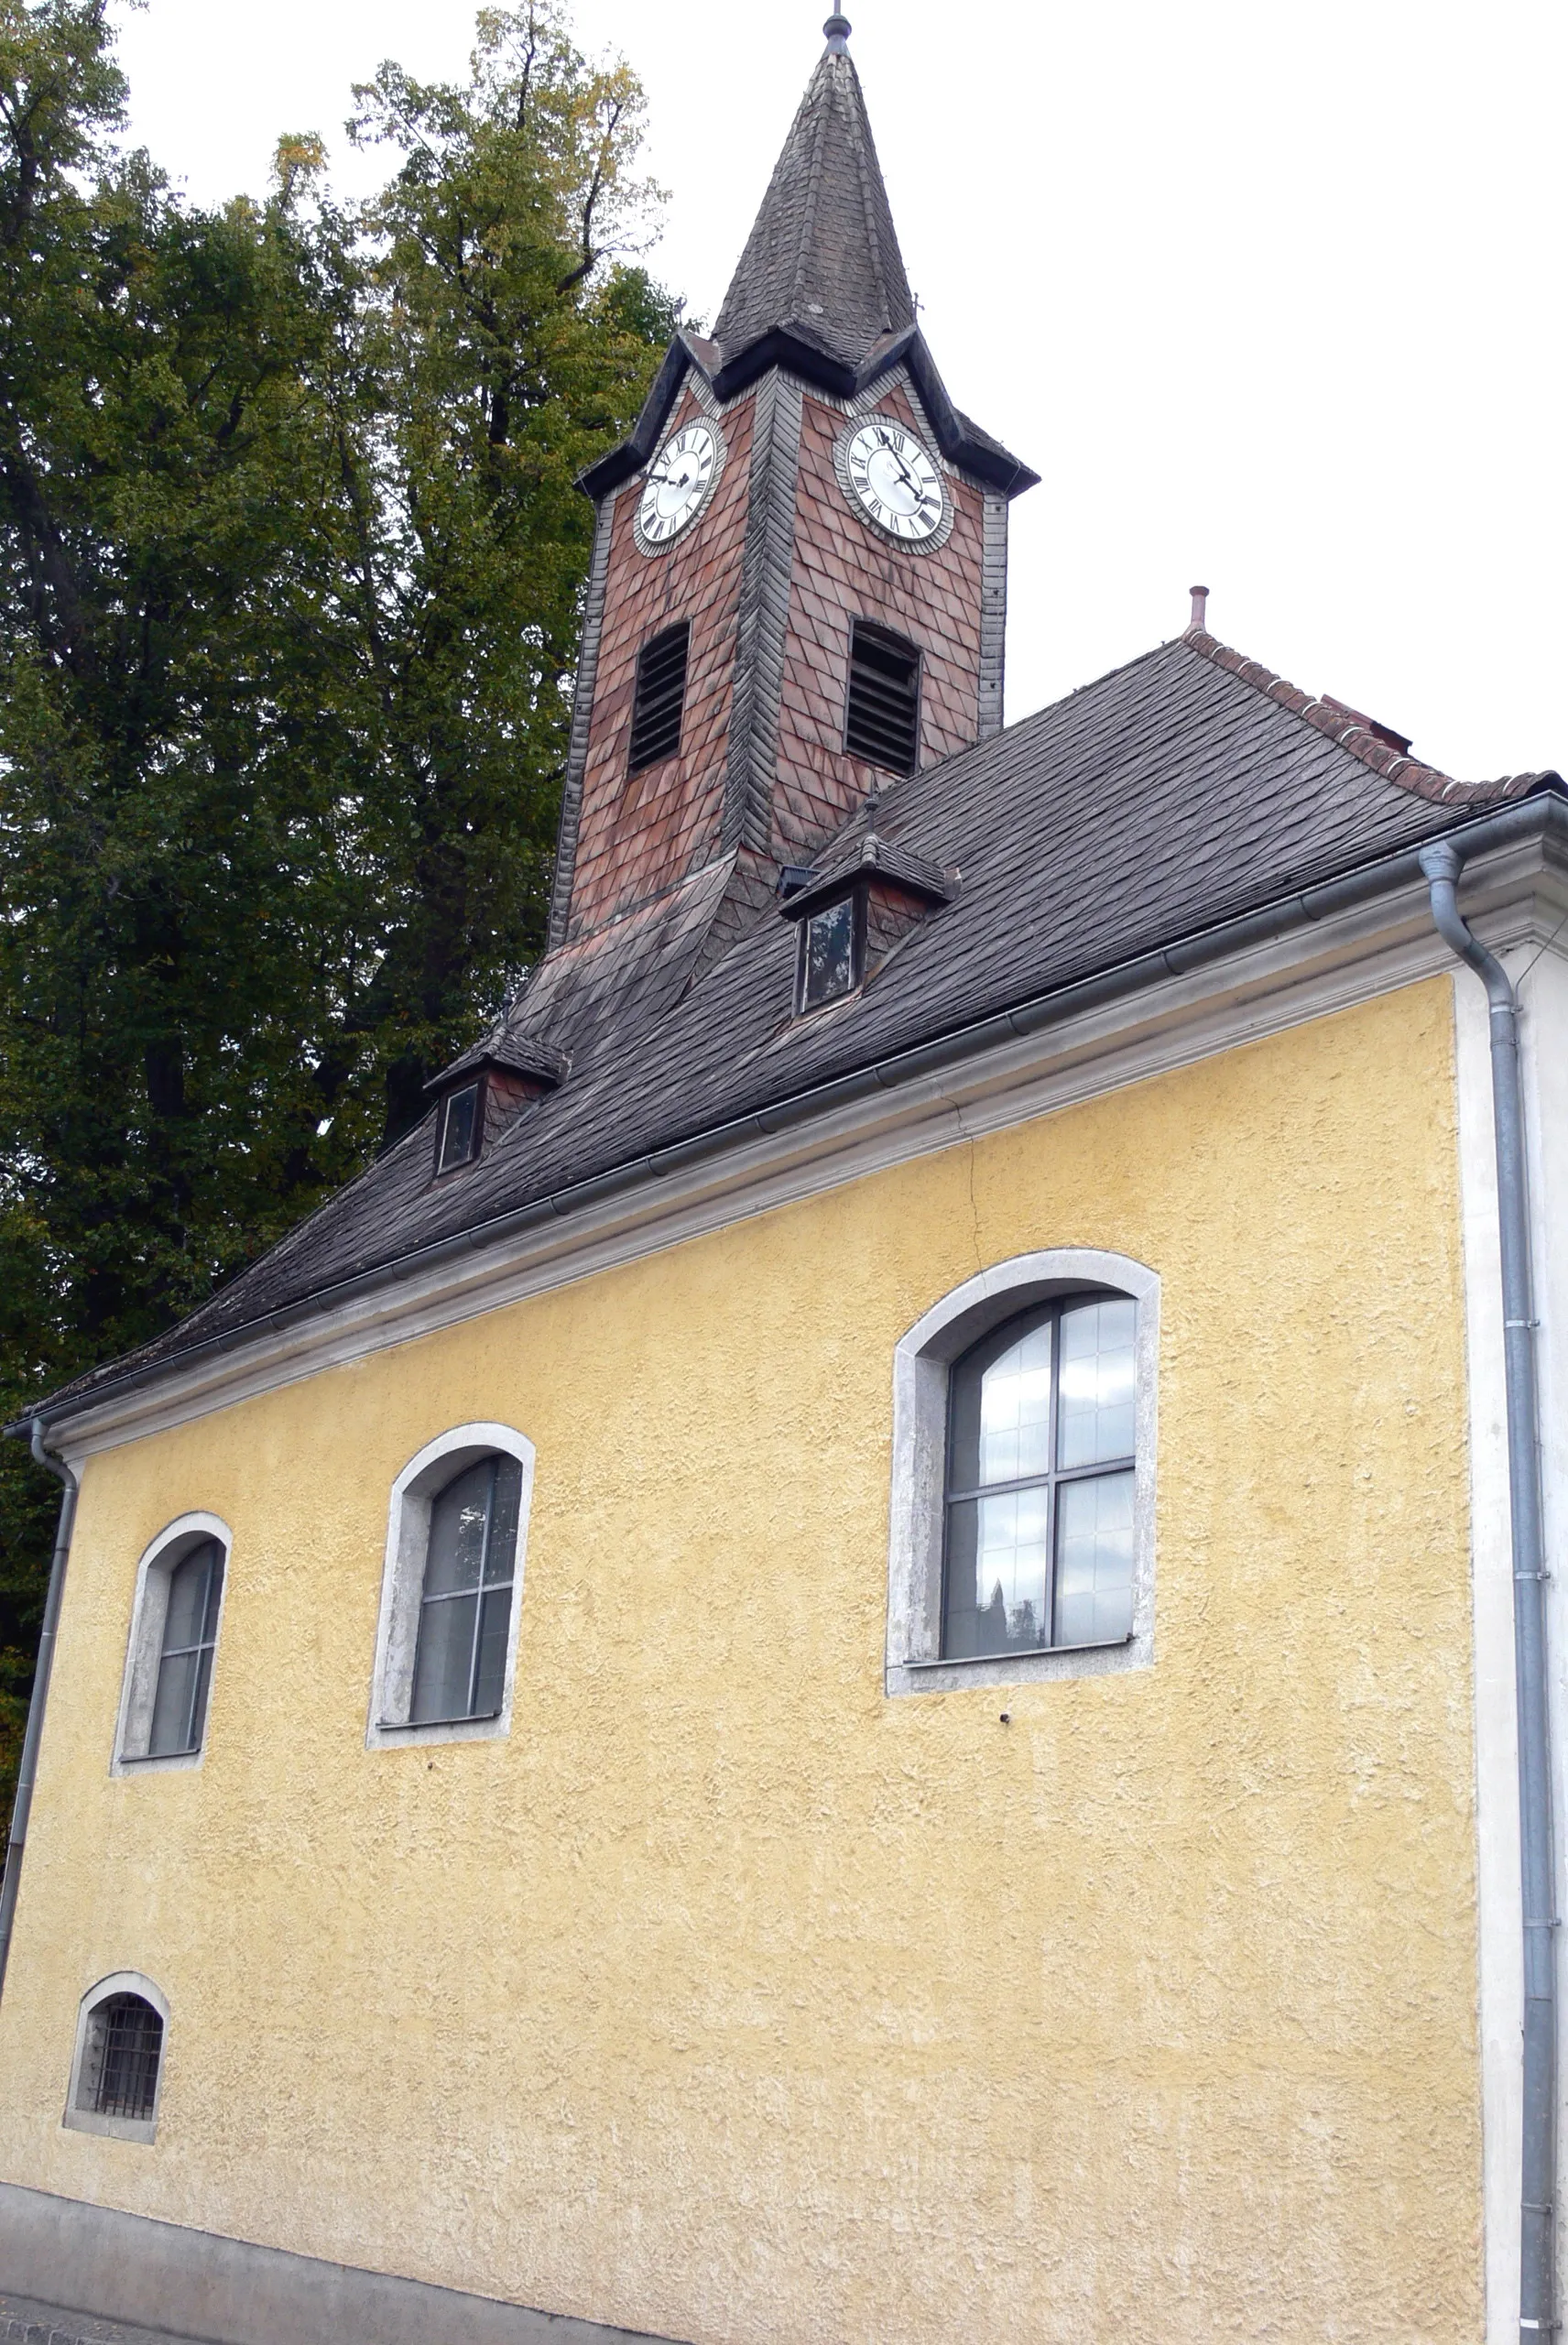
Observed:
{"x":479,"y":1595}
{"x":196,"y":1671}
{"x":1050,"y":1451}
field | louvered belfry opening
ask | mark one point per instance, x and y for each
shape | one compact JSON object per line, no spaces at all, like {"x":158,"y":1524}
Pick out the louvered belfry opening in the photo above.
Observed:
{"x":659,"y":697}
{"x":882,"y":722}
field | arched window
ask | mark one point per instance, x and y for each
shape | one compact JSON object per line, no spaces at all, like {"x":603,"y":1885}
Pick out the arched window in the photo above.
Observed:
{"x":466,"y":1607}
{"x":176,"y":1616}
{"x":189,"y":1640}
{"x":1040,"y":1455}
{"x":118,"y":2066}
{"x":452,"y":1590}
{"x":1021,"y":1515}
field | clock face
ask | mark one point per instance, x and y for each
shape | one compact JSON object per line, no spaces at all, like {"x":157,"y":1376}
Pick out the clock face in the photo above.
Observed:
{"x":677,"y":486}
{"x":894,"y":481}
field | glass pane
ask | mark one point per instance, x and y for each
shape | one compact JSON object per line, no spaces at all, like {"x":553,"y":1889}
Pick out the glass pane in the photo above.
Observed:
{"x":829,"y":954}
{"x":1093,"y":1574}
{"x":1001,"y":1407}
{"x":1015,"y":1409}
{"x":457,"y":1131}
{"x":214,"y":1595}
{"x":457,"y":1531}
{"x":444,"y":1658}
{"x":178,"y":1680}
{"x":997,"y":1562}
{"x":502,"y":1558}
{"x":1095,"y":1413}
{"x":495,"y":1620}
{"x":185,"y":1622}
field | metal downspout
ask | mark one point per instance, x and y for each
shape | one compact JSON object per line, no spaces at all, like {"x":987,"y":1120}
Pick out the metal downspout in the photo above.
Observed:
{"x":1441,"y":864}
{"x":22,"y":1806}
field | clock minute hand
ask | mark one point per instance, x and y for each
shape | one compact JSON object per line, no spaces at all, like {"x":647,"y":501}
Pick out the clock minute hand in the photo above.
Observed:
{"x":905,"y":475}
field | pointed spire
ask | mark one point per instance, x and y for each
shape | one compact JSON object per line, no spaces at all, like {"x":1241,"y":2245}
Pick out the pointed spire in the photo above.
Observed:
{"x":822,"y":260}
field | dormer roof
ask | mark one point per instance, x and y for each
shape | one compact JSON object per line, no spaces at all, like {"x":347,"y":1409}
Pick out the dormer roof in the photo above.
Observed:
{"x":867,"y":857}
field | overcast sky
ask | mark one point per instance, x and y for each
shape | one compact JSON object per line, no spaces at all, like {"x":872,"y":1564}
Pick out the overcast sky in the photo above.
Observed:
{"x":1271,"y":295}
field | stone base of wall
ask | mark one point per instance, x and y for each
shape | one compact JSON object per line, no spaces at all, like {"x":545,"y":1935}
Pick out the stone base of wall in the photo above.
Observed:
{"x":123,"y":2267}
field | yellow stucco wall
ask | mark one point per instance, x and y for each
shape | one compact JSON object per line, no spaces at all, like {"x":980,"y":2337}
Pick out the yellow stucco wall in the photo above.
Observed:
{"x":729,"y":1999}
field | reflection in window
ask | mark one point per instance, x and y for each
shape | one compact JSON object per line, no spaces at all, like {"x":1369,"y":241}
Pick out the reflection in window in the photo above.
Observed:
{"x":828,"y":954}
{"x":124,"y":2048}
{"x":460,"y":1664}
{"x":459,"y":1129}
{"x":1039,"y":1484}
{"x":185,"y":1664}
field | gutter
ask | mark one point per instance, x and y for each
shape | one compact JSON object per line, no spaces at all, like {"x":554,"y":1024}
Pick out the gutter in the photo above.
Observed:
{"x":1442,"y":863}
{"x":28,"y":1771}
{"x":1521,"y":820}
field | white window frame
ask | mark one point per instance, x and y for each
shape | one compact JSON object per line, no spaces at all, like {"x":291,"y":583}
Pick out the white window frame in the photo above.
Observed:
{"x":403,"y":1586}
{"x":150,"y":1611}
{"x":918,"y":1502}
{"x":90,"y":2120}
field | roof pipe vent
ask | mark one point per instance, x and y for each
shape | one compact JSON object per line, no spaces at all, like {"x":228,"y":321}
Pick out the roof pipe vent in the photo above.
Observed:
{"x":1199,"y":622}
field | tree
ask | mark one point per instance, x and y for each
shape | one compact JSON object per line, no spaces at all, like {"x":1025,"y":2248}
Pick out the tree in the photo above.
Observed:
{"x":290,"y":573}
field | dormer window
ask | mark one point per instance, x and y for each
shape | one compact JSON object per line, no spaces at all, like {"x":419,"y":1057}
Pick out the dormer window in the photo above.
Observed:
{"x":483,"y":1090}
{"x":851,"y":912}
{"x":882,"y":713}
{"x":461,"y":1127}
{"x":660,"y":698}
{"x":832,"y":950}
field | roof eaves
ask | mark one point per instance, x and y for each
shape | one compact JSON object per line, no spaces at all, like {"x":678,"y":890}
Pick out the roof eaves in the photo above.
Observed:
{"x":687,"y":353}
{"x":1345,"y":726}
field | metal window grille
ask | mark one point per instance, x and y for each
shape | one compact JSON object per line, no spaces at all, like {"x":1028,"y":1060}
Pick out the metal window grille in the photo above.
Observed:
{"x":124,"y":2055}
{"x":882,"y":716}
{"x":461,"y":1128}
{"x":660,"y":698}
{"x":1041,"y":1462}
{"x":185,"y":1663}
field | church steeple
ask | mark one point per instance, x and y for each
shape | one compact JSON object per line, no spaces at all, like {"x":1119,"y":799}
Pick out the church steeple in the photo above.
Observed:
{"x":799,"y":515}
{"x":821,"y":264}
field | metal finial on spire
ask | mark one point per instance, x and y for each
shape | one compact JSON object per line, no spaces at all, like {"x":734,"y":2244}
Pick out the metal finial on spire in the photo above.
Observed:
{"x":837,"y":30}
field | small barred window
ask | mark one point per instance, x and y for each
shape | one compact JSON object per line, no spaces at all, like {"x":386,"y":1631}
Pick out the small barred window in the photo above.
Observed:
{"x":121,"y":2059}
{"x":660,"y":698}
{"x":882,"y":717}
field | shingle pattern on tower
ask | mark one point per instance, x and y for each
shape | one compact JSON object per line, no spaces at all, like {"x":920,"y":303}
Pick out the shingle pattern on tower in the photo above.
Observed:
{"x":1142,"y":811}
{"x":822,"y":259}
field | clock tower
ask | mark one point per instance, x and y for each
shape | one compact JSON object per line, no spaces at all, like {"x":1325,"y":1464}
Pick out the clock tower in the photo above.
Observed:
{"x":799,"y":580}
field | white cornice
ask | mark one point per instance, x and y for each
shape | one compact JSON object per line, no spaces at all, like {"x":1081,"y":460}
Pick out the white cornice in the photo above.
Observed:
{"x":1512,"y":895}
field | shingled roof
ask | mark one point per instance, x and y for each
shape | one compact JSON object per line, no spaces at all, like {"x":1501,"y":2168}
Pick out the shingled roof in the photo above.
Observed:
{"x":822,"y":260}
{"x":1185,"y":789}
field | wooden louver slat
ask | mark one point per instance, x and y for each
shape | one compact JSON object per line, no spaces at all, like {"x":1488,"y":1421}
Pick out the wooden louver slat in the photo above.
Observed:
{"x":882,"y":721}
{"x":659,"y":697}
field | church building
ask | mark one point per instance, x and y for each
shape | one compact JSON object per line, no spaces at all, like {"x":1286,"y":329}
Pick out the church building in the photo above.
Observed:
{"x":873,"y":1650}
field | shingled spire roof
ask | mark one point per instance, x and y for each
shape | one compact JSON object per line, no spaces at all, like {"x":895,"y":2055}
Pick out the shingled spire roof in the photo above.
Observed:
{"x":822,"y":261}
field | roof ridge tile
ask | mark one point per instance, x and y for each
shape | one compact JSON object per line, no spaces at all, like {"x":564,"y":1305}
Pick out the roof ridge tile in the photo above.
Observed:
{"x":1349,"y":731}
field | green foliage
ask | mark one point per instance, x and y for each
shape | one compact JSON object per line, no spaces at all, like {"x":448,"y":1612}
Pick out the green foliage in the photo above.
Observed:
{"x":291,"y":571}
